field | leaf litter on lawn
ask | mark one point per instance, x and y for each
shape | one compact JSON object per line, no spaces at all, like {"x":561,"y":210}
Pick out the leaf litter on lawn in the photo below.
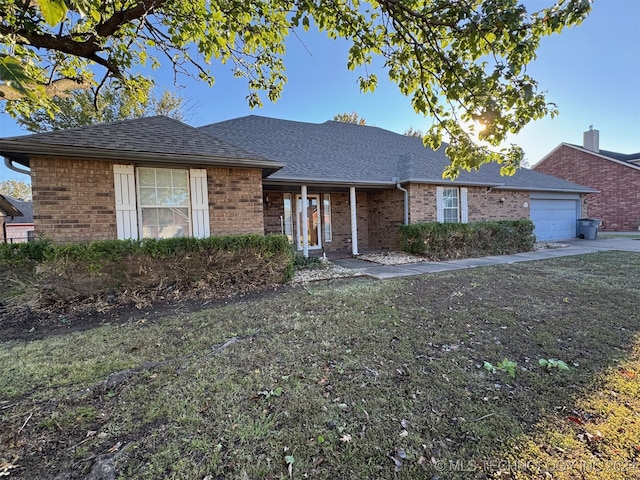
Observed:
{"x":348,"y":378}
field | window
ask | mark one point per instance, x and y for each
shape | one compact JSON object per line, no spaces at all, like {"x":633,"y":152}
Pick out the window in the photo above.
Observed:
{"x":326,"y":211}
{"x":161,"y":202}
{"x":287,"y":221}
{"x":451,"y":205}
{"x":164,"y":202}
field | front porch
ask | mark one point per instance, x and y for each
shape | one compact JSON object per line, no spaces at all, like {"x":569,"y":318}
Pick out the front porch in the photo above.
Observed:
{"x":337,"y":222}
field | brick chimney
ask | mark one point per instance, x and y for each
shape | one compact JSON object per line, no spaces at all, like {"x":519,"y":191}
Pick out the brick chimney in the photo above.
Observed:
{"x":591,"y":140}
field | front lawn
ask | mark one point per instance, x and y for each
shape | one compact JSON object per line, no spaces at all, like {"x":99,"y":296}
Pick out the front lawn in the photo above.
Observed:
{"x":436,"y":376}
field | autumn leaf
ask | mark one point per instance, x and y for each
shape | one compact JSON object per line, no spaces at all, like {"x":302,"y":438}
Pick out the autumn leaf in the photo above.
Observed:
{"x":575,"y":419}
{"x":345,"y":438}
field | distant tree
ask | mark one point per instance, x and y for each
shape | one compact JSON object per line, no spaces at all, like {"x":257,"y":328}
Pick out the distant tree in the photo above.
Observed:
{"x":112,"y":103}
{"x":16,"y":189}
{"x":352,"y":117}
{"x":410,"y":132}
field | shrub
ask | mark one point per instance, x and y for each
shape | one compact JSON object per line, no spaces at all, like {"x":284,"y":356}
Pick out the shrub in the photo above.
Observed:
{"x":24,"y":254}
{"x":442,"y":241}
{"x":227,"y":263}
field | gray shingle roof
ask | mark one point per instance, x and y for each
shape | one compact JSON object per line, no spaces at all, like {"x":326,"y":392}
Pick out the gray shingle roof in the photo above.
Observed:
{"x":623,"y":157}
{"x":344,"y":153}
{"x":25,"y":207}
{"x":8,"y":207}
{"x":157,"y":138}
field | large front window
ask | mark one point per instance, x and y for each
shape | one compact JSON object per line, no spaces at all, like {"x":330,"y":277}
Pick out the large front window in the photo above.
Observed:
{"x":164,"y":202}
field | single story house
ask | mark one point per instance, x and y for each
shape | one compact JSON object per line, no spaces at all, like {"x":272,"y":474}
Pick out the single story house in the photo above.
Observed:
{"x":615,"y":176}
{"x":16,"y":228}
{"x":330,"y":187}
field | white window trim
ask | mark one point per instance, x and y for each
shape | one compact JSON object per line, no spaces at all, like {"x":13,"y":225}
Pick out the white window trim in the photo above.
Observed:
{"x":463,"y":207}
{"x":128,"y":203}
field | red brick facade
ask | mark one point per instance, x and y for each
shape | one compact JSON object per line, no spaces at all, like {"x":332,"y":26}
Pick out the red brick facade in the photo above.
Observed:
{"x":74,"y":200}
{"x":618,"y":203}
{"x":380,"y":213}
{"x":235,"y":201}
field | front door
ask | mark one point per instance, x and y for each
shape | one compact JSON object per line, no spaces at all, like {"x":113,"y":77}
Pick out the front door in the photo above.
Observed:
{"x":314,"y":228}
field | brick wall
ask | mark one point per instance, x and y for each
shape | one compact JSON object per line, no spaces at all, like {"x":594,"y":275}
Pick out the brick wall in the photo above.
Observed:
{"x":618,"y":204}
{"x":386,"y":214}
{"x":235,"y":201}
{"x":73,"y":200}
{"x":482,"y":205}
{"x":486,"y":206}
{"x":273,"y":210}
{"x":422,"y":203}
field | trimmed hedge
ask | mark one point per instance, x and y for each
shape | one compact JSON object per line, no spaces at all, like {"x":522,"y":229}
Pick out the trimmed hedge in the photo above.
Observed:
{"x":444,"y":241}
{"x":232,"y":264}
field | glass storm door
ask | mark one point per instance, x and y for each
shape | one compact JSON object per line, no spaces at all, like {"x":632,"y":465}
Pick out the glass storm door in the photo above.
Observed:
{"x":314,"y":229}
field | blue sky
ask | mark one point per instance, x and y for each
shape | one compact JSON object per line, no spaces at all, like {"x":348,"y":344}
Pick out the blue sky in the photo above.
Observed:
{"x":592,"y":72}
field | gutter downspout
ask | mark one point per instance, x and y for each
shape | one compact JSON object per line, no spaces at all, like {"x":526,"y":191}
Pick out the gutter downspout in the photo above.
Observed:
{"x":9,"y":164}
{"x":406,"y":199}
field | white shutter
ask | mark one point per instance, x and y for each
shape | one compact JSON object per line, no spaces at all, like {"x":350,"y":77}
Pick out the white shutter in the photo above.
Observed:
{"x":464,"y":210}
{"x":199,"y":203}
{"x":126,"y":213}
{"x":440,"y":204}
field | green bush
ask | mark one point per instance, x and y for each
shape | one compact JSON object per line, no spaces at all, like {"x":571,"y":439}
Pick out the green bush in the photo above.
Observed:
{"x":442,"y":241}
{"x":229,"y":263}
{"x":22,"y":254}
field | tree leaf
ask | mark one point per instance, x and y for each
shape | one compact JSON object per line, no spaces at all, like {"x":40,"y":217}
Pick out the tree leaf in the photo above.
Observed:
{"x":53,"y":11}
{"x":13,"y":73}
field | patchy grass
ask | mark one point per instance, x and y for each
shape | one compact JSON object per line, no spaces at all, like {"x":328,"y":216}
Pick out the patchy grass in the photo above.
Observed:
{"x":347,"y":379}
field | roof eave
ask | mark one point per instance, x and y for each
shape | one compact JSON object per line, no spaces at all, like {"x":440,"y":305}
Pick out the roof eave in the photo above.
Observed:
{"x":545,"y":189}
{"x":20,"y":153}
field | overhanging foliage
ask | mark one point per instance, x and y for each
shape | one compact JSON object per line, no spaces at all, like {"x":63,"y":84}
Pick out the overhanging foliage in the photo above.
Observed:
{"x":460,"y":62}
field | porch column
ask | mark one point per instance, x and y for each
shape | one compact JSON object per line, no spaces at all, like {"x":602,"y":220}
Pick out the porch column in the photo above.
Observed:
{"x":305,"y":221}
{"x":354,"y":221}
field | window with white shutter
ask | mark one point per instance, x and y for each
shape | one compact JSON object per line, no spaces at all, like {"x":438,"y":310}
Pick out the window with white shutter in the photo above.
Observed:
{"x":125,"y":193}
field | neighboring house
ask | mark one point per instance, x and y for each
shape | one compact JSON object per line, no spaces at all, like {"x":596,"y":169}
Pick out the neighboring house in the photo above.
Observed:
{"x":19,"y":229}
{"x":615,"y":176}
{"x":156,"y":177}
{"x":8,"y":211}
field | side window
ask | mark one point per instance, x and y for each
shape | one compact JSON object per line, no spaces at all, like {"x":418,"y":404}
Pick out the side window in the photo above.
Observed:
{"x":287,"y":221}
{"x":326,"y":219}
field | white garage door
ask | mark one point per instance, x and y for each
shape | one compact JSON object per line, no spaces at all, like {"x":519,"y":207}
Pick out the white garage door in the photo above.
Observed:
{"x":554,"y":218}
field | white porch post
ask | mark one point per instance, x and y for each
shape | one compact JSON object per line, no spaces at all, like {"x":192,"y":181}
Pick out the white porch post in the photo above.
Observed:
{"x":354,"y":221}
{"x":305,"y":221}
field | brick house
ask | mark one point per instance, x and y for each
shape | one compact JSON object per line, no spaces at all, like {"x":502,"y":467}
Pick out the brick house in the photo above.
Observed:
{"x":15,"y":228}
{"x":12,"y":220}
{"x":615,"y":176}
{"x":156,"y":177}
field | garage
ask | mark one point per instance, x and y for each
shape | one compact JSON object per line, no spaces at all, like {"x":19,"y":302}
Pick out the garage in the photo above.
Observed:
{"x":554,"y":216}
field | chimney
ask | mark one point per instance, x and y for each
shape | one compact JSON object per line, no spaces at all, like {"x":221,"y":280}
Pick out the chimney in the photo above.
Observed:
{"x":591,"y":140}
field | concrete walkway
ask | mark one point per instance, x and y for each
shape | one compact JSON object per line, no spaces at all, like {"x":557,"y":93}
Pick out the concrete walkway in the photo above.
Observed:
{"x":629,"y":243}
